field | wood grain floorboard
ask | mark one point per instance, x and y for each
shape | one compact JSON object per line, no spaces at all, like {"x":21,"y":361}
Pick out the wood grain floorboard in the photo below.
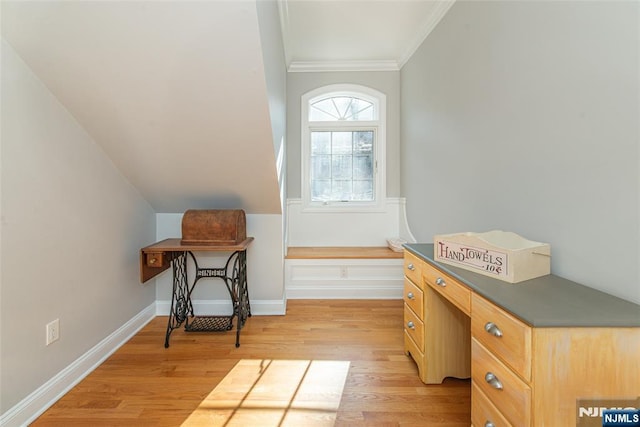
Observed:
{"x":144,"y":384}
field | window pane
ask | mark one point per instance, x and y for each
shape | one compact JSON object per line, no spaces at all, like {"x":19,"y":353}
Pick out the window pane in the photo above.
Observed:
{"x":320,"y":143}
{"x":342,"y":167}
{"x":363,"y":142}
{"x":362,"y":167}
{"x":360,"y":110}
{"x":340,"y":108}
{"x":341,"y":143}
{"x":320,"y":116}
{"x":320,"y":167}
{"x":343,"y":105}
{"x":341,"y":190}
{"x":363,"y":190}
{"x":321,"y":190}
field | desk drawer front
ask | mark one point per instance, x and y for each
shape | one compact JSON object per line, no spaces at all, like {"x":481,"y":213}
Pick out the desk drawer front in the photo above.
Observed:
{"x":410,"y":347}
{"x":413,"y":268}
{"x":414,"y":298}
{"x":504,"y":335}
{"x":483,"y":412}
{"x":451,"y":289}
{"x":155,"y":259}
{"x":509,"y":394}
{"x":414,"y":327}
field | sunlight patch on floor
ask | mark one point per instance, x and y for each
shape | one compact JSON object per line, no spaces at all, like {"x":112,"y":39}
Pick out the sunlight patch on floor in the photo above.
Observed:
{"x":275,"y":393}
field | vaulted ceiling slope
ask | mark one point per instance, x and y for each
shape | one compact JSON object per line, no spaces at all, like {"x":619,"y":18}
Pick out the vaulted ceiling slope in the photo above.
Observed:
{"x":174,"y":93}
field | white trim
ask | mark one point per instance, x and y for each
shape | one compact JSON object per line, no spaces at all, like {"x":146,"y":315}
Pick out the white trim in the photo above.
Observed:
{"x":223,"y":307}
{"x":337,"y":66}
{"x":441,"y":8}
{"x":405,"y":231}
{"x":344,"y":278}
{"x":32,"y":406}
{"x":341,"y":291}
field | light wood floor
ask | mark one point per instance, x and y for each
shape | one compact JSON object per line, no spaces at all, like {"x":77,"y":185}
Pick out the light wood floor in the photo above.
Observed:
{"x":144,"y":384}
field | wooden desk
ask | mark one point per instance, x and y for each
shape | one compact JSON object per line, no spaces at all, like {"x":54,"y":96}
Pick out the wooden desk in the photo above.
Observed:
{"x":533,"y":350}
{"x":156,"y":258}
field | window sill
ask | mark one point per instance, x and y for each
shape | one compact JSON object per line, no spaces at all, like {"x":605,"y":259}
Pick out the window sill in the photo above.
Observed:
{"x":346,"y":207}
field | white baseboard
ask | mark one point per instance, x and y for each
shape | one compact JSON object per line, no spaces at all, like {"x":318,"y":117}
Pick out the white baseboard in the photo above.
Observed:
{"x":344,"y":278}
{"x":223,"y":307}
{"x":32,"y":406}
{"x":341,"y":291}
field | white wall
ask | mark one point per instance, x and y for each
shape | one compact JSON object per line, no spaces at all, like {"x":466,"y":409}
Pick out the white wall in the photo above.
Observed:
{"x":264,"y":269}
{"x":72,"y":227}
{"x":347,"y":228}
{"x":523,"y":116}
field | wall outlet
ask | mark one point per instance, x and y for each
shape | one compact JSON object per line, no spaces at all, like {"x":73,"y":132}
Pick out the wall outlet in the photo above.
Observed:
{"x":53,"y":331}
{"x":344,"y":274}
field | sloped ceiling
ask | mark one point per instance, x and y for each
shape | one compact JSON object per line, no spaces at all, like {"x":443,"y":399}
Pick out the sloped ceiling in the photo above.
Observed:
{"x":174,"y":93}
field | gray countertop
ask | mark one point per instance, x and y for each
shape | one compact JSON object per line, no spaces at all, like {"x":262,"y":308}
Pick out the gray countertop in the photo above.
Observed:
{"x":547,"y":301}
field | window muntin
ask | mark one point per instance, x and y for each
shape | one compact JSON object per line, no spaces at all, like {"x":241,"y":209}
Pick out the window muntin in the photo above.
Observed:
{"x":341,"y":108}
{"x":342,"y":165}
{"x":343,"y":148}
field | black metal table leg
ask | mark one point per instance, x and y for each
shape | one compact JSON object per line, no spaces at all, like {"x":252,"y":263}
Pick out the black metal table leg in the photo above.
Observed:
{"x":181,"y":306}
{"x":234,"y":275}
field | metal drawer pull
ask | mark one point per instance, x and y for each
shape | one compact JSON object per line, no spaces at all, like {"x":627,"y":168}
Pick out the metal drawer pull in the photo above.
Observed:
{"x":493,"y":329}
{"x":410,"y":295}
{"x":493,"y":381}
{"x":440,"y":282}
{"x":410,"y":325}
{"x":411,"y":267}
{"x":489,"y":424}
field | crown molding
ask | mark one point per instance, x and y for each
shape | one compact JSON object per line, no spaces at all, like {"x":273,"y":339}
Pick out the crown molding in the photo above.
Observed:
{"x":441,"y":8}
{"x":328,"y":66}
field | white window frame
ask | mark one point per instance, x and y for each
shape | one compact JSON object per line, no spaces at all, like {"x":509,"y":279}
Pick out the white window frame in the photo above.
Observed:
{"x":379,"y":101}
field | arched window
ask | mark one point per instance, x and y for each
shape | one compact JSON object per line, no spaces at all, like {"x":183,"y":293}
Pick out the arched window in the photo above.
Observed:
{"x":343,"y":148}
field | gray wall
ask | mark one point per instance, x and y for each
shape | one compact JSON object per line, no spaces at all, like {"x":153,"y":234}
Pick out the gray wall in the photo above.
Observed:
{"x":523,"y":116}
{"x":387,"y":82}
{"x":72,"y":227}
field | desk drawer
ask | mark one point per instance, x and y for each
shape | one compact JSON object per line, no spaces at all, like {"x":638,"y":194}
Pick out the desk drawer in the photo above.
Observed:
{"x":508,"y":393}
{"x":414,"y":298}
{"x":414,"y":327}
{"x":483,"y":413}
{"x":504,"y":335}
{"x":455,"y":292}
{"x":413,"y":268}
{"x":410,"y":348}
{"x":154,"y":259}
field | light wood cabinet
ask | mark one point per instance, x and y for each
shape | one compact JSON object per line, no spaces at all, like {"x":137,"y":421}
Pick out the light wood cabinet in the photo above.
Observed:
{"x":414,"y":298}
{"x":414,"y":311}
{"x":502,"y":334}
{"x":454,"y":292}
{"x":438,"y":327}
{"x":521,"y":374}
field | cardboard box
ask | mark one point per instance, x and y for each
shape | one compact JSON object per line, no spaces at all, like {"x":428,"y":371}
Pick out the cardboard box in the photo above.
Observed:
{"x":499,"y":254}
